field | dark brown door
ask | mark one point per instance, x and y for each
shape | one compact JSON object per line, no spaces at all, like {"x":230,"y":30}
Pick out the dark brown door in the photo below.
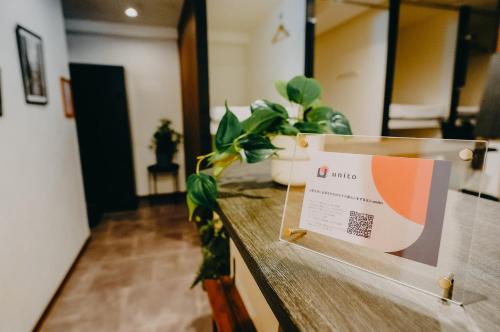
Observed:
{"x":193,"y":49}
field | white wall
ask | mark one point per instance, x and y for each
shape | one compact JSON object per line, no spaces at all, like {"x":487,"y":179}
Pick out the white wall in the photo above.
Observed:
{"x":152,"y":81}
{"x":350,"y":63}
{"x":243,"y":65}
{"x":425,"y":60}
{"x":228,"y":68}
{"x":283,"y":60}
{"x":43,"y":222}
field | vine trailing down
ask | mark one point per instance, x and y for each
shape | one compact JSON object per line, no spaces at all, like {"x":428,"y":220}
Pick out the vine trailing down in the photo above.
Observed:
{"x":250,"y":141}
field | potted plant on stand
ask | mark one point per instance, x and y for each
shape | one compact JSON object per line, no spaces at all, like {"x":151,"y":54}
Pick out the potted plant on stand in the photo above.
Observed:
{"x":165,"y":142}
{"x":268,"y":132}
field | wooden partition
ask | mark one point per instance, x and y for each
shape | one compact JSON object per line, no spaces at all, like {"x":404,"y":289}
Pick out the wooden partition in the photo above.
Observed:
{"x":192,"y":42}
{"x":498,"y":42}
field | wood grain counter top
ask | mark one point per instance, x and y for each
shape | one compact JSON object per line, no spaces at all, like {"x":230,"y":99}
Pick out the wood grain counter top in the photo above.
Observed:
{"x":310,"y":292}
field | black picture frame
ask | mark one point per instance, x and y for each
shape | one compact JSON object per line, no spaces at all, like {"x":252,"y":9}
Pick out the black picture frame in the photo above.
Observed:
{"x":31,"y":59}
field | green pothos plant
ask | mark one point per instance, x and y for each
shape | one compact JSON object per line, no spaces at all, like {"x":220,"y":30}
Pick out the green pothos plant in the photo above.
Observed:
{"x":250,"y":141}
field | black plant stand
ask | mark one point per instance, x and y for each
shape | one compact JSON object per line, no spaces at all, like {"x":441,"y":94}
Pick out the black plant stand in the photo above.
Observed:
{"x":154,"y":170}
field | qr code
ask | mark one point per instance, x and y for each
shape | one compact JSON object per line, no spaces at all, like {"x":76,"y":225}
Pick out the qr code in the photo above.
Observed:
{"x":360,"y":224}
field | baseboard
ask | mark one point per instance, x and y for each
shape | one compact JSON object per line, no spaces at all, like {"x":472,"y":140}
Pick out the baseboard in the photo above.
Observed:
{"x":176,"y":197}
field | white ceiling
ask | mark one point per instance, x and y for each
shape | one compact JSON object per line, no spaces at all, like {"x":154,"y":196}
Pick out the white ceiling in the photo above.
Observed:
{"x":238,"y":15}
{"x":151,"y":12}
{"x":229,"y":15}
{"x":331,"y":13}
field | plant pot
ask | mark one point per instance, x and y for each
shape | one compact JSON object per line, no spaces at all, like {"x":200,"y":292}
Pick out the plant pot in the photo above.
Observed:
{"x":281,"y":165}
{"x":163,"y":159}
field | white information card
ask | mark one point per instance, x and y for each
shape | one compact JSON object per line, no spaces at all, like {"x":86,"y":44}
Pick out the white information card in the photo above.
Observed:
{"x":391,"y":204}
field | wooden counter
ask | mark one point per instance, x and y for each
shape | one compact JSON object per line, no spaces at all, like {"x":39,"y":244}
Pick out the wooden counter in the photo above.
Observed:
{"x":309,"y":292}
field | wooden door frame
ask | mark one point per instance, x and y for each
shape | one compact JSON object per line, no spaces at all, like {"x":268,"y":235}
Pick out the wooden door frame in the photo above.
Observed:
{"x":392,"y":44}
{"x":309,"y":42}
{"x":197,"y":125}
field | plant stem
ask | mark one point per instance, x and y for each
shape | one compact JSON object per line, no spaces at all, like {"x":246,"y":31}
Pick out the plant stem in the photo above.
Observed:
{"x":200,"y":159}
{"x":237,"y":139}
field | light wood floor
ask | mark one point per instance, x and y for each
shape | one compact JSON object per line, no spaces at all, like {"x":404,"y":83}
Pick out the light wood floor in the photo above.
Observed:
{"x":134,"y":275}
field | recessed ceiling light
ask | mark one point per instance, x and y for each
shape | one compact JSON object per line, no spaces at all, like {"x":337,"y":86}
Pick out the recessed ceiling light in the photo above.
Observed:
{"x":131,"y":12}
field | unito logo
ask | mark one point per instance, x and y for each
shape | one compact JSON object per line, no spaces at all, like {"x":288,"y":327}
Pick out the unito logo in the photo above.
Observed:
{"x":322,"y":172}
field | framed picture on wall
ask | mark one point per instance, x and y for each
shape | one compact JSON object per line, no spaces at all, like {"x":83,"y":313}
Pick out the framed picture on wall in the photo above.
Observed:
{"x":67,"y":98}
{"x":30,"y":50}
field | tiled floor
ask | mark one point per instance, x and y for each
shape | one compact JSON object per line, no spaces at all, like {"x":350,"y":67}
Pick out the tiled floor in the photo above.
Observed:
{"x":135,"y":275}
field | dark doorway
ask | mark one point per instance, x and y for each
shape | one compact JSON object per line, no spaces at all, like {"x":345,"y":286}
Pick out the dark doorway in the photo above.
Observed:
{"x":104,"y":138}
{"x":193,"y":56}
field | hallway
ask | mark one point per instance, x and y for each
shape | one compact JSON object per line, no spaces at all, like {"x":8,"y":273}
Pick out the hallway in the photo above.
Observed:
{"x":134,"y":275}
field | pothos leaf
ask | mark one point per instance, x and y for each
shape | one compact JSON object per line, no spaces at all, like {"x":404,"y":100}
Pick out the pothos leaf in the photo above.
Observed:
{"x":269,"y":105}
{"x":277,"y":108}
{"x":255,"y":156}
{"x":229,"y":128}
{"x":261,"y":120}
{"x":322,"y":113}
{"x":303,"y":90}
{"x":191,"y":207}
{"x":202,"y":190}
{"x":256,"y":148}
{"x":339,"y":124}
{"x":287,"y":129}
{"x":330,"y":120}
{"x":253,"y":141}
{"x":221,"y":160}
{"x":309,"y":127}
{"x":281,"y":88}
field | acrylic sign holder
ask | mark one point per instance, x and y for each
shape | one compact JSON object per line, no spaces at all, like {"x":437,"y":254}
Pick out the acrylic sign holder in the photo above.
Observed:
{"x":409,"y":175}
